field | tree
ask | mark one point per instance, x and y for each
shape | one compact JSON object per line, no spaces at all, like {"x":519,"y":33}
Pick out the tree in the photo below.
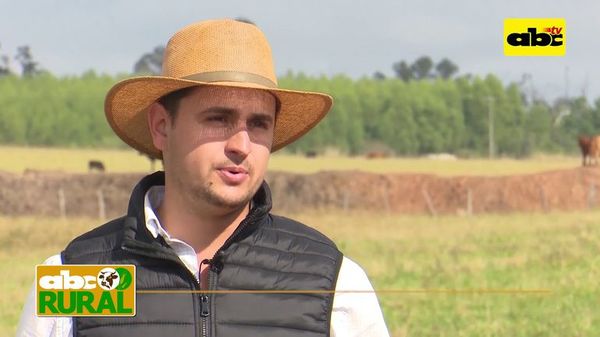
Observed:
{"x":403,"y":71}
{"x":378,"y":75}
{"x":421,"y":68}
{"x":28,"y":66}
{"x":538,"y":129}
{"x":4,"y":65}
{"x":150,"y":63}
{"x":446,"y":68}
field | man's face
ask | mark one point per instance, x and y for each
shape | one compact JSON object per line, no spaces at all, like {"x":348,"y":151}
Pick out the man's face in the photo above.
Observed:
{"x":217,"y":147}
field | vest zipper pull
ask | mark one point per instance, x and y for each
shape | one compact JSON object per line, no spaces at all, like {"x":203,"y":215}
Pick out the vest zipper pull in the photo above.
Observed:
{"x":204,"y":306}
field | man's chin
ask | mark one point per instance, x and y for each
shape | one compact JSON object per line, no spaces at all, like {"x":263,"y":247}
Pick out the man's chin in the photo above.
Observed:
{"x":228,"y":197}
{"x":230,"y":203}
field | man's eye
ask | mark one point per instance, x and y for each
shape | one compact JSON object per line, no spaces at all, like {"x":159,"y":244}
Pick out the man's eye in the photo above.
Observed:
{"x":261,"y":124}
{"x":220,"y":119}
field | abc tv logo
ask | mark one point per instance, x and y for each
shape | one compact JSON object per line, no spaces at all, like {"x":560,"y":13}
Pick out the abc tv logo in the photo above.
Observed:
{"x":551,"y":37}
{"x":534,"y":37}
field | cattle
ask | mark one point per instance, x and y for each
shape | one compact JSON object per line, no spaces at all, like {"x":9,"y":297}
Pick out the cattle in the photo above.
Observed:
{"x":584,"y":145}
{"x":95,"y":165}
{"x":376,"y":154}
{"x":590,"y":149}
{"x":310,"y":154}
{"x":594,"y":150}
{"x":107,"y":279}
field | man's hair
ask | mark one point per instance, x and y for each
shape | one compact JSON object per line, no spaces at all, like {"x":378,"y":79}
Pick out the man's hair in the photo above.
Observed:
{"x":171,"y":100}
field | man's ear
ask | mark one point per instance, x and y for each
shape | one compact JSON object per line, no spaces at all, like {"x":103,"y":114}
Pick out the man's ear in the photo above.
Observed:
{"x":158,"y":123}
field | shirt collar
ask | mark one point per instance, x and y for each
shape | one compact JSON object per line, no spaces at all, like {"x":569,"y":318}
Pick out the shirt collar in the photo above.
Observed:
{"x":152,"y":200}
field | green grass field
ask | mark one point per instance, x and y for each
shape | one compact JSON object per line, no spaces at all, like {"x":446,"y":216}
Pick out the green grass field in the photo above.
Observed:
{"x":452,"y":276}
{"x":558,"y":252}
{"x":76,"y":160}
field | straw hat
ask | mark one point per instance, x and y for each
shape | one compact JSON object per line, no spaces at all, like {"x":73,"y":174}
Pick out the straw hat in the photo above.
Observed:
{"x":214,"y":53}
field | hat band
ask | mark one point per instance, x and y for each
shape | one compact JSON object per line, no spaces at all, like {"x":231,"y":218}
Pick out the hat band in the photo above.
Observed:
{"x":231,"y":76}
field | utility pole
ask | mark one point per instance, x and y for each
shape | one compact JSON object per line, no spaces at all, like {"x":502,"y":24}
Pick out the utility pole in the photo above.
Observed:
{"x":491,"y":143}
{"x":567,"y":83}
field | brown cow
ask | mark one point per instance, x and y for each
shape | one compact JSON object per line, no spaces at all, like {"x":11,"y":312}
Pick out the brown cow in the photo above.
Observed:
{"x":594,"y":150}
{"x":584,"y":146}
{"x":376,"y":155}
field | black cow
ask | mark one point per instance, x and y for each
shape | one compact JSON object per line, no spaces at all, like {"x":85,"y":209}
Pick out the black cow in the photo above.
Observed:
{"x":95,"y":165}
{"x":310,"y":154}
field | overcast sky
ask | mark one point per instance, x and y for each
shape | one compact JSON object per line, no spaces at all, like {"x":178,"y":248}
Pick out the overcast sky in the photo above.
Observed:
{"x":316,"y":37}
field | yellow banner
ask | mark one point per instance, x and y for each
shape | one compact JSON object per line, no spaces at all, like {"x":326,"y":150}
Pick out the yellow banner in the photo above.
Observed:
{"x":534,"y":37}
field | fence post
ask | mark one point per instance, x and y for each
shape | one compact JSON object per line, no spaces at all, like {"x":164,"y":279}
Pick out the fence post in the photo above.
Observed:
{"x":469,"y":202}
{"x":543,"y":200}
{"x":101,"y":204}
{"x":386,"y":199}
{"x":62,"y":203}
{"x":592,"y":196}
{"x":428,"y":201}
{"x":346,"y":200}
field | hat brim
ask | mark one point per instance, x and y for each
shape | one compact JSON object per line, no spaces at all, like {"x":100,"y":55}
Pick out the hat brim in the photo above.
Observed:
{"x":127,"y":103}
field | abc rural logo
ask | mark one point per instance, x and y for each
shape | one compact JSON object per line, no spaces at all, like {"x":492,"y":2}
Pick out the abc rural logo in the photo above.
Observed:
{"x":85,"y":290}
{"x":534,"y":37}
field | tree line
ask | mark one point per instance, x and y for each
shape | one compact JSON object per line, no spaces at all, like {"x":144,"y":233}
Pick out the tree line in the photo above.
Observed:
{"x":403,"y":117}
{"x":424,"y":109}
{"x":443,"y":115}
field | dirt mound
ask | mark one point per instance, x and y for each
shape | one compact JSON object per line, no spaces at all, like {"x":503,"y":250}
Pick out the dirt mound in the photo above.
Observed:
{"x":53,"y":193}
{"x":420,"y":193}
{"x":106,"y":195}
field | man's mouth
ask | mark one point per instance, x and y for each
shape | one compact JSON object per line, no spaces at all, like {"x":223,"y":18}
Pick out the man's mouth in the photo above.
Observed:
{"x":234,"y":169}
{"x":233,"y":174}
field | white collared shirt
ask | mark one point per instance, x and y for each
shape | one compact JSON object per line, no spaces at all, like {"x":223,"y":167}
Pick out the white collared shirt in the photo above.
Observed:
{"x":354,"y":314}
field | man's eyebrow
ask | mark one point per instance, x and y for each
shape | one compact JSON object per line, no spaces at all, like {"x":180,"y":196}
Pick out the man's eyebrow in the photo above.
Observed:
{"x":263,"y":116}
{"x":230,"y":111}
{"x":219,"y":109}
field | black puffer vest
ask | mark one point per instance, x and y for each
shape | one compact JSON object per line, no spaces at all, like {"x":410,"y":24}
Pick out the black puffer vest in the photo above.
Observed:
{"x":266,"y":252}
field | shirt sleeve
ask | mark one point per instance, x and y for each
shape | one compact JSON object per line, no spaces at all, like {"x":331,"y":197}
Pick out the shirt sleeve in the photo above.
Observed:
{"x":356,"y":313}
{"x":30,"y":325}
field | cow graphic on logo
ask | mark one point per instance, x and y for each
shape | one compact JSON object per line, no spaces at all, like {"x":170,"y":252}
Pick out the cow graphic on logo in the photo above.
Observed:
{"x":108,"y":278}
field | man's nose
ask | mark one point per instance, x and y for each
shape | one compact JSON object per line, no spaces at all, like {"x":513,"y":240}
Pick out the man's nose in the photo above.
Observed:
{"x":238,"y":143}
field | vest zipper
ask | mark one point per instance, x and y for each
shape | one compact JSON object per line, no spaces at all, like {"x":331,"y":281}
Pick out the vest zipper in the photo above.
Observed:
{"x":204,"y":313}
{"x":205,"y":301}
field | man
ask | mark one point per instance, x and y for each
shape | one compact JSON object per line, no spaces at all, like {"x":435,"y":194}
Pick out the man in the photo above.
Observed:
{"x":214,"y":117}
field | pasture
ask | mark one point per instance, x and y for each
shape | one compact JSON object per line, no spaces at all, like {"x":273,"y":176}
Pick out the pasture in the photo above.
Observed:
{"x":437,"y":276}
{"x":76,"y":160}
{"x":459,"y":276}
